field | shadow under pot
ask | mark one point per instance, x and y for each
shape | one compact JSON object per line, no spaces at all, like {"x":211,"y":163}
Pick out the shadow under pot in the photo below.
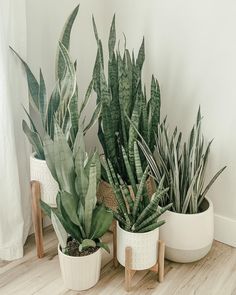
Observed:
{"x":80,"y":272}
{"x":40,"y":172}
{"x":188,"y":237}
{"x":144,"y":247}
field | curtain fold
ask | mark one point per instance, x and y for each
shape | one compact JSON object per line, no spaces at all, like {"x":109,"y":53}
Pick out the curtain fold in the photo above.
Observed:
{"x":15,"y":215}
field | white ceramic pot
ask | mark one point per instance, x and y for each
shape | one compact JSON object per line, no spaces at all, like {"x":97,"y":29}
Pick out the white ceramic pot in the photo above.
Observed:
{"x":144,"y":247}
{"x":49,"y":187}
{"x":188,"y":237}
{"x":80,"y":273}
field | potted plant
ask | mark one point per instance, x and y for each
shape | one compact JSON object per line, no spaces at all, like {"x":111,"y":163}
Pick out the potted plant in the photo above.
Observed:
{"x":137,"y":217}
{"x":62,"y":106}
{"x":79,"y":221}
{"x":188,"y":232}
{"x":123,"y":94}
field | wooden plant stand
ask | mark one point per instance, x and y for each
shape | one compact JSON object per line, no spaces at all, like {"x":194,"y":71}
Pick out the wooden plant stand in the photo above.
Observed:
{"x":37,"y":217}
{"x":158,"y":268}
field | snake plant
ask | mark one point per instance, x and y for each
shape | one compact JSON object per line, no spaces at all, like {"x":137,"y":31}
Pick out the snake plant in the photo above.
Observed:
{"x":77,"y":214}
{"x":136,"y":212}
{"x":121,"y":95}
{"x":183,"y":164}
{"x":62,"y":104}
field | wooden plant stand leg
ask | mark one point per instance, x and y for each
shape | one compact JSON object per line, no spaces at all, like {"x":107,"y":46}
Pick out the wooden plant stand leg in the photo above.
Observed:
{"x":37,"y":218}
{"x":129,"y":272}
{"x":115,"y":261}
{"x":161,"y":260}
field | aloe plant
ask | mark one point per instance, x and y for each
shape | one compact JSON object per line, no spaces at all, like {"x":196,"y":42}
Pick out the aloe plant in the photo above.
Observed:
{"x":183,"y":164}
{"x":121,"y":95}
{"x":62,"y":105}
{"x":77,"y":214}
{"x":136,"y":212}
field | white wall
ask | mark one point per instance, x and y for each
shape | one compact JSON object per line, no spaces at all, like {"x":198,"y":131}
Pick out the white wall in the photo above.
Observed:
{"x":190,"y":47}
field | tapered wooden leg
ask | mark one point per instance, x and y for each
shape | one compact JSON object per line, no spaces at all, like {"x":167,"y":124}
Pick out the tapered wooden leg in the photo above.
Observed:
{"x":115,"y":261}
{"x":37,"y":218}
{"x":129,"y":273}
{"x":161,"y":260}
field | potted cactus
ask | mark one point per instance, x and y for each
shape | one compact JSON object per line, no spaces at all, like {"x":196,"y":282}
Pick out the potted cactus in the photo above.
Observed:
{"x":137,"y":217}
{"x":78,"y":220}
{"x":62,"y":106}
{"x":188,"y":232}
{"x":123,"y":95}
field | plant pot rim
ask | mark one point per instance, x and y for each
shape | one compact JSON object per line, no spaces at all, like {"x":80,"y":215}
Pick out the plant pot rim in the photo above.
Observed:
{"x":78,"y":257}
{"x":132,"y":233}
{"x":193,"y":214}
{"x":32,"y":156}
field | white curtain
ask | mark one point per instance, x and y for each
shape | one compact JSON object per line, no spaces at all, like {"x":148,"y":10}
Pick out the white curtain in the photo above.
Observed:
{"x":15,"y":213}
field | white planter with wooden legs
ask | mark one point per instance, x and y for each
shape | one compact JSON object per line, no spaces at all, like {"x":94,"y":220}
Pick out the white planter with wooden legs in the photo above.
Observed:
{"x":188,"y":237}
{"x":144,"y":247}
{"x":80,"y":273}
{"x":138,"y":251}
{"x":40,"y":172}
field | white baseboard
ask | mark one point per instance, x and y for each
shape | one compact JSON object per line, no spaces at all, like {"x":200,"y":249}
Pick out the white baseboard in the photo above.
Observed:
{"x":225,"y":230}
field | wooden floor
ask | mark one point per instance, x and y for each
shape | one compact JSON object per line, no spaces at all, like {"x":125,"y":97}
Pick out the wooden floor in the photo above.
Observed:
{"x":213,"y":275}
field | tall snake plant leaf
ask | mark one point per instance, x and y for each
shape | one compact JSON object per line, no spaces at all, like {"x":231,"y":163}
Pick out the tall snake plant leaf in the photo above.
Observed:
{"x":42,"y":98}
{"x":141,"y":55}
{"x":82,"y":181}
{"x":210,"y":184}
{"x":74,"y":115}
{"x":64,"y":163}
{"x":129,"y":171}
{"x":132,"y":133}
{"x":70,"y":205}
{"x":68,"y":81}
{"x":65,"y":40}
{"x":32,"y":82}
{"x":94,"y":117}
{"x":59,"y":230}
{"x":90,"y":199}
{"x":101,"y":220}
{"x":34,"y":139}
{"x":87,"y":96}
{"x":140,"y":192}
{"x":112,"y":38}
{"x":53,"y":105}
{"x":50,"y":155}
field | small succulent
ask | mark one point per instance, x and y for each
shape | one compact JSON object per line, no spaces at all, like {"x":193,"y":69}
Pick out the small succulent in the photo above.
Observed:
{"x":77,"y":216}
{"x":136,"y":211}
{"x":183,"y":164}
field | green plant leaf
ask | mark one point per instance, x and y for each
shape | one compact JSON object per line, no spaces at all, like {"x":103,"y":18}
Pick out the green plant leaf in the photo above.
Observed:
{"x":34,"y":139}
{"x":65,"y":40}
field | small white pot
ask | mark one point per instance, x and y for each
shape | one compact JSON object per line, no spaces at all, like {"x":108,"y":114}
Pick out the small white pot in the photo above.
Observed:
{"x":49,"y":187}
{"x":188,"y":237}
{"x":144,"y":247}
{"x":80,"y":273}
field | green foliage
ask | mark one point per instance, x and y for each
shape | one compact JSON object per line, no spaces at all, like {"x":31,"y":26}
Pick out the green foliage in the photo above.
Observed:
{"x":120,"y":96}
{"x":77,"y":174}
{"x":184,"y":166}
{"x":136,"y":212}
{"x":62,"y":105}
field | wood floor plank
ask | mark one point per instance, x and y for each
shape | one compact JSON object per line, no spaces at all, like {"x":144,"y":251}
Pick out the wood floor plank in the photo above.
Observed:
{"x":213,"y":275}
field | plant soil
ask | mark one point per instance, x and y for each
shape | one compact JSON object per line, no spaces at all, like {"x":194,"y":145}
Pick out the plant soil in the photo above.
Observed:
{"x":73,"y":249}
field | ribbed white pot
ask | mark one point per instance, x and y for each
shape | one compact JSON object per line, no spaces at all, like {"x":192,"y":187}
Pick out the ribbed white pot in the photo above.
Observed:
{"x":188,"y":237}
{"x":144,"y":247}
{"x":80,"y":273}
{"x":49,"y":187}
